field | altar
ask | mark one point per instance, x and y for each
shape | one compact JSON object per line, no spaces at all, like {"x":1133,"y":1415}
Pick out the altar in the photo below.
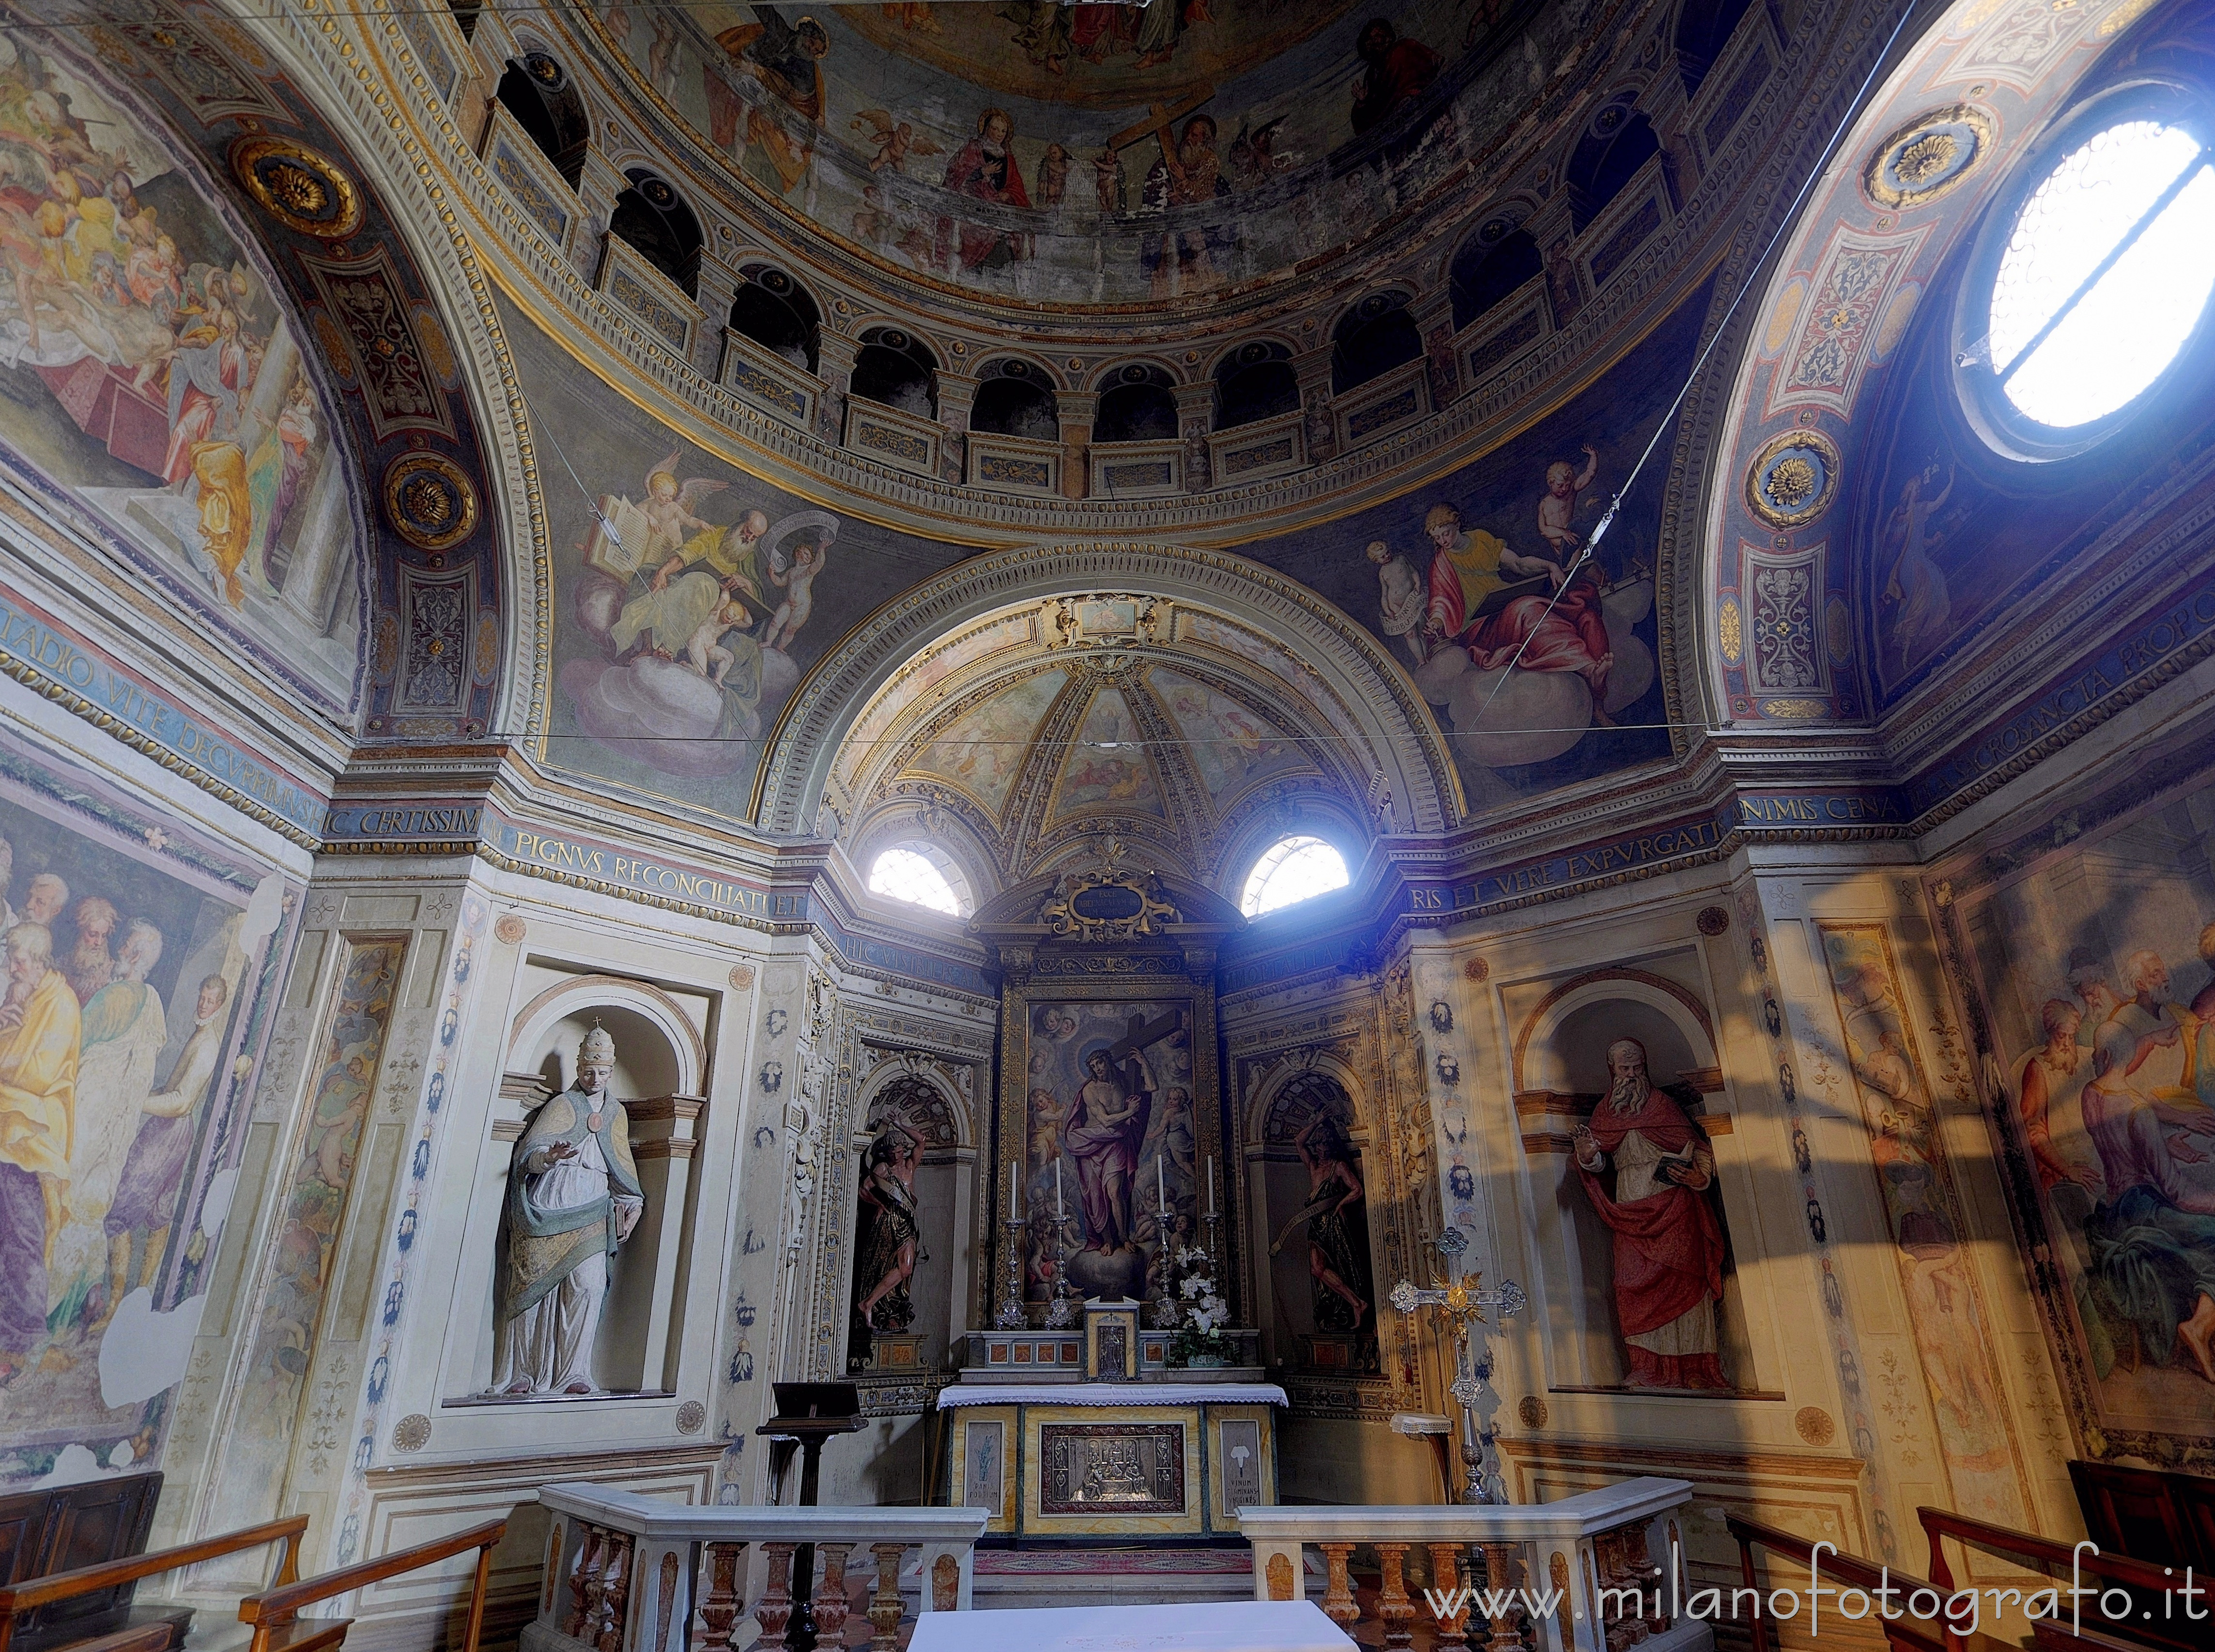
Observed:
{"x":1084,"y":1412}
{"x":1093,"y":1459}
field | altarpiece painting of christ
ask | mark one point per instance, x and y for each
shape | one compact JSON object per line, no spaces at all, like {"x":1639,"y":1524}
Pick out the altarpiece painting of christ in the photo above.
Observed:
{"x":1109,"y":1142}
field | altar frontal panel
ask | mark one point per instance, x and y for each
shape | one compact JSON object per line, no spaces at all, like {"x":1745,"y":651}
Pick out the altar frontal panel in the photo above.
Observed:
{"x":1135,"y":1469}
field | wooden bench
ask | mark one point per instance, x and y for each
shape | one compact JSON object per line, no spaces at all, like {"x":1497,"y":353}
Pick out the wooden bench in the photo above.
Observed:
{"x":1904,"y":1634}
{"x":111,"y":1581}
{"x":2149,"y":1514}
{"x":275,"y":1613}
{"x":2146,"y":1625}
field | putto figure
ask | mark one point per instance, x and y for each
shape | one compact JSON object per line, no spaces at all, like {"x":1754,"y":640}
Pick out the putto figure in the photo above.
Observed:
{"x":573,"y":1197}
{"x":1668,"y":1243}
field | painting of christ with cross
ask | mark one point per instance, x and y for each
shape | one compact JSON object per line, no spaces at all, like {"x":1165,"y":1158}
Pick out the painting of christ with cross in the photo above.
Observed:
{"x":1121,"y":1075}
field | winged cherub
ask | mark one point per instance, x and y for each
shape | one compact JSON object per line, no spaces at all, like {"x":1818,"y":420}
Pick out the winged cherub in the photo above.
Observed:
{"x":668,"y":508}
{"x":895,"y":140}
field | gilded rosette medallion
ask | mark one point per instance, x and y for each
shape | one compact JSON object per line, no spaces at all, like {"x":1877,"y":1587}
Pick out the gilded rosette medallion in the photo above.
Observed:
{"x":1793,"y":478}
{"x":299,"y":187}
{"x":429,"y":501}
{"x":1928,"y":156}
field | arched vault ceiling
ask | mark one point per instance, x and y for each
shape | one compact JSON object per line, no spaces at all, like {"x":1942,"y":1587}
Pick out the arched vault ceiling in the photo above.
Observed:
{"x":1170,"y":722}
{"x":1862,"y":546}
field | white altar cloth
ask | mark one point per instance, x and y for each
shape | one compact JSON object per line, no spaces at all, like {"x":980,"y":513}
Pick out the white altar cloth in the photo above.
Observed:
{"x":1111,"y":1393}
{"x":1207,"y":1626}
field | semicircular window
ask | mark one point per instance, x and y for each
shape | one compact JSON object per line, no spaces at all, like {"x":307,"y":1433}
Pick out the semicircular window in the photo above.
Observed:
{"x":906,"y":875}
{"x":2106,"y":272}
{"x":1291,"y":870}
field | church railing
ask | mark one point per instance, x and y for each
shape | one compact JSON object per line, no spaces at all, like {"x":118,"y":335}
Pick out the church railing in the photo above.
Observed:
{"x":627,"y":1573}
{"x":1591,"y":1573}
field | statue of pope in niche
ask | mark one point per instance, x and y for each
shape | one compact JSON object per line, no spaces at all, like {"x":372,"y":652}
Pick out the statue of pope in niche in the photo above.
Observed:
{"x":573,"y":1197}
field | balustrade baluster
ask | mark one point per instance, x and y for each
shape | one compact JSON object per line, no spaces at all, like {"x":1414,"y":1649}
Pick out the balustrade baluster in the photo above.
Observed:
{"x":774,"y":1609}
{"x":831,"y":1603}
{"x":1499,"y":1570}
{"x":580,"y":1575}
{"x":615,"y":1594}
{"x":586,"y":1621}
{"x":720,"y":1611}
{"x":1446,"y":1562}
{"x":885,"y":1604}
{"x":1338,"y":1591}
{"x":1392,"y":1603}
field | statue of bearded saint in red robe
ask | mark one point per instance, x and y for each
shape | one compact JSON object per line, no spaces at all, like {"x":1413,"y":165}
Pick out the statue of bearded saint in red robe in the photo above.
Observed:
{"x":1668,"y":1245}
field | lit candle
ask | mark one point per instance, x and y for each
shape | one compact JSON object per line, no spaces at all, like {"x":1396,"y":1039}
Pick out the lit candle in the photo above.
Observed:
{"x":1056,"y":1190}
{"x":1161,"y":1191}
{"x":1211,"y":1184}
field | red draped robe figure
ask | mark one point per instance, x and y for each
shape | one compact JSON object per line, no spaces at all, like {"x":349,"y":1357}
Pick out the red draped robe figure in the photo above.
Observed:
{"x":1466,"y":568}
{"x":1668,"y":1245}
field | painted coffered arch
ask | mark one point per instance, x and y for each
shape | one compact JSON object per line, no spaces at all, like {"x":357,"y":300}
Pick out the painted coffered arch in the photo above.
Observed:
{"x":1213,"y":640}
{"x":1018,"y":739}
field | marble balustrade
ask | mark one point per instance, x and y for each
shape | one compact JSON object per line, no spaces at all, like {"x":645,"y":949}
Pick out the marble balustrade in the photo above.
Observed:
{"x":1588,"y":1551}
{"x":627,"y":1573}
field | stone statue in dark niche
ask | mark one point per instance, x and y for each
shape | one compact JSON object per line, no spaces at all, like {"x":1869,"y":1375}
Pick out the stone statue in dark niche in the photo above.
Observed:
{"x":887,"y":1233}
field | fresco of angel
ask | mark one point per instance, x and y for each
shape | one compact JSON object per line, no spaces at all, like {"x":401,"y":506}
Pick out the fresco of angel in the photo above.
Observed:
{"x":894,"y":140}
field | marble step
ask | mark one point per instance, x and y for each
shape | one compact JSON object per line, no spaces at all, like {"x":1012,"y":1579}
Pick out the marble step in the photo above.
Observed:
{"x":1085,"y":1577}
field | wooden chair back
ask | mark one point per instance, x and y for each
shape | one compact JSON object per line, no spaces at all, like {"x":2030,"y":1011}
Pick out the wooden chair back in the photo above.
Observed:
{"x":68,"y":1528}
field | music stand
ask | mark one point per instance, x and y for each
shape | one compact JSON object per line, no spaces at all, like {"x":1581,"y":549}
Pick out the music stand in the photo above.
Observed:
{"x":807,"y":1414}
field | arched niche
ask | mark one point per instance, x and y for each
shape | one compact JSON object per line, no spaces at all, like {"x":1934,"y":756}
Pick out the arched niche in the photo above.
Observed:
{"x":1306,"y":1276}
{"x":1561,"y":1075}
{"x":659,"y":1078}
{"x":916,"y":1095}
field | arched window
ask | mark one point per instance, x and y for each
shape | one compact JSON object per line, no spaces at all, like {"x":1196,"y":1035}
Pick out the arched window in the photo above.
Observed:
{"x":1253,"y":382}
{"x":1013,"y":399}
{"x":2096,"y":274}
{"x":1375,"y":336}
{"x":895,"y":368}
{"x":910,"y":872}
{"x":1618,"y":141}
{"x":652,"y":218}
{"x":774,"y":311}
{"x":1138,"y":405}
{"x":1292,"y":869}
{"x":1703,"y":28}
{"x":1492,"y":265}
{"x":538,"y":92}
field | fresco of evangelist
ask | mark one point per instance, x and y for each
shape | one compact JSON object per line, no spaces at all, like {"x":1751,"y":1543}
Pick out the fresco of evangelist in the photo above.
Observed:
{"x":1464,"y":578}
{"x":146,"y":366}
{"x":691,"y":598}
{"x":1029,"y":146}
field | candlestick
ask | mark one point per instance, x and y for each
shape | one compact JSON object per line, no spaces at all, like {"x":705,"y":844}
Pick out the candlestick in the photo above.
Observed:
{"x":1011,"y":1316}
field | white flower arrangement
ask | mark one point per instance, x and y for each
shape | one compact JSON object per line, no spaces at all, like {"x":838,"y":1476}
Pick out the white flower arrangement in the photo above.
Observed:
{"x":1205,"y":1312}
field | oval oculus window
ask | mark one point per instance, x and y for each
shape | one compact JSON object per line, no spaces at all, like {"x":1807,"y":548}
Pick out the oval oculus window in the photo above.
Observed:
{"x":2106,"y":273}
